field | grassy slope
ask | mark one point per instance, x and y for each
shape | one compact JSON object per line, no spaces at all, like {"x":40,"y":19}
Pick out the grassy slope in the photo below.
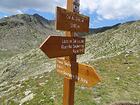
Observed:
{"x":125,"y":37}
{"x":120,"y":82}
{"x":23,"y":65}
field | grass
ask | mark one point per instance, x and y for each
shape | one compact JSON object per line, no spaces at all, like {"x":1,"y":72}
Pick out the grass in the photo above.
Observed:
{"x":120,"y":82}
{"x":5,"y":54}
{"x":120,"y":79}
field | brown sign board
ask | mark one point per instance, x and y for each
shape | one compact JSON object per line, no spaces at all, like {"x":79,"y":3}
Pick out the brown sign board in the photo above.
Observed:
{"x":59,"y":46}
{"x":71,"y":21}
{"x":86,"y":74}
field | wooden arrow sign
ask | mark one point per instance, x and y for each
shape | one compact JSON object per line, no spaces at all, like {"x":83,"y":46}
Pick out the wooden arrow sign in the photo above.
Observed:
{"x":71,"y":21}
{"x":59,"y":46}
{"x":86,"y":73}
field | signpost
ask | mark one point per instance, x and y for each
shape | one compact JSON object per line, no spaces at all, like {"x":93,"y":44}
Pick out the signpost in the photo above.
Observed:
{"x":86,"y":74}
{"x":71,"y":21}
{"x":59,"y":46}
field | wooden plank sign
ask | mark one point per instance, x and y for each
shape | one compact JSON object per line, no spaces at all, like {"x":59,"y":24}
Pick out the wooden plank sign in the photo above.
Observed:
{"x":58,"y":46}
{"x":86,"y":74}
{"x":71,"y":21}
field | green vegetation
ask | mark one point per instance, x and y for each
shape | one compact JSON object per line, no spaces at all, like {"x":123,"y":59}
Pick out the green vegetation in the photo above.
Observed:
{"x":28,"y":77}
{"x":120,"y":82}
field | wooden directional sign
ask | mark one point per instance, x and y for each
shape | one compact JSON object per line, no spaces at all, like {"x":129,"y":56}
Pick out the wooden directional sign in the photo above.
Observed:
{"x":86,"y":74}
{"x":71,"y":21}
{"x":58,"y":46}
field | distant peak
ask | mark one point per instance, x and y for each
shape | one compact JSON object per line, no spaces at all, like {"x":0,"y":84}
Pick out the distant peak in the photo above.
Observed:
{"x":36,"y":15}
{"x":39,"y":17}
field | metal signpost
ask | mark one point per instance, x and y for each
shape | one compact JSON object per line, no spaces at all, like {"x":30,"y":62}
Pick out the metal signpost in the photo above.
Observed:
{"x":67,"y":47}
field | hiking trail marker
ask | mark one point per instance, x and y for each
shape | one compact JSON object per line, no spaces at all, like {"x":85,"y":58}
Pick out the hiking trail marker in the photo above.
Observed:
{"x":59,"y":46}
{"x":86,"y":74}
{"x":67,"y":47}
{"x":71,"y":21}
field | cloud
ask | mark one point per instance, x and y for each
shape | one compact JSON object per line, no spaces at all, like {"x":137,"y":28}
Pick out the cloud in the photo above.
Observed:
{"x":17,"y":6}
{"x":112,"y":9}
{"x":105,"y":9}
{"x":89,"y":5}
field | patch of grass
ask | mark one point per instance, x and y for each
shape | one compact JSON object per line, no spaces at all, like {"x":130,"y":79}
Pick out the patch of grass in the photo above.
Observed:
{"x":5,"y":54}
{"x":120,"y":80}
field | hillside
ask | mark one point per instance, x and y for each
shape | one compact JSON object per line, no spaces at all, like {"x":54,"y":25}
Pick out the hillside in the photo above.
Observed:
{"x":28,"y":77}
{"x":20,"y":33}
{"x":112,"y":42}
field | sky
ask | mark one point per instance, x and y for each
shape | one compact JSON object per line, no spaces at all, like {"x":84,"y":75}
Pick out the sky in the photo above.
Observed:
{"x":101,"y":12}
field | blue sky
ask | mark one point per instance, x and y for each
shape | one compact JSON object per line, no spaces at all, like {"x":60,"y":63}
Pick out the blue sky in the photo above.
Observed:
{"x":101,"y":12}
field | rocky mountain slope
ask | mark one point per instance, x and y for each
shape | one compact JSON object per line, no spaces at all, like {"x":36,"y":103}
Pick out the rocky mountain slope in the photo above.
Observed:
{"x":23,"y":32}
{"x":123,"y":38}
{"x":28,"y":77}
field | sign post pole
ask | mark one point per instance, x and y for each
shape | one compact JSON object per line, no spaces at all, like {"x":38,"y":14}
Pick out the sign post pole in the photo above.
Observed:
{"x":69,"y":84}
{"x":68,"y":47}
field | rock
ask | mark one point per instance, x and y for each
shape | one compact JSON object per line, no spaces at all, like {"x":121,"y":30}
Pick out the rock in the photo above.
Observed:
{"x":41,"y":77}
{"x":3,"y":84}
{"x":23,"y":79}
{"x":42,"y":84}
{"x":19,"y":85}
{"x":27,"y":92}
{"x":35,"y":77}
{"x":52,"y":97}
{"x":12,"y":88}
{"x":27,"y":98}
{"x":46,"y":81}
{"x":128,"y":67}
{"x":82,"y":88}
{"x":117,"y":78}
{"x":98,"y":99}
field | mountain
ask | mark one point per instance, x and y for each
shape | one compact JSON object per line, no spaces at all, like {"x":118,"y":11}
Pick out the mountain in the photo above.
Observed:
{"x":28,"y":77}
{"x":102,"y":29}
{"x":122,"y":38}
{"x":23,"y":32}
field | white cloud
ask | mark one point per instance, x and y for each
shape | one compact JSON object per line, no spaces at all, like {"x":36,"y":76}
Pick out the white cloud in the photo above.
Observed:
{"x":105,"y":9}
{"x":19,"y":12}
{"x":17,"y":6}
{"x":89,"y":5}
{"x":112,"y":9}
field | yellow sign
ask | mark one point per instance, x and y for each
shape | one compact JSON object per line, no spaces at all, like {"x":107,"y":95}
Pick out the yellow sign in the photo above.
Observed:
{"x":86,"y":73}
